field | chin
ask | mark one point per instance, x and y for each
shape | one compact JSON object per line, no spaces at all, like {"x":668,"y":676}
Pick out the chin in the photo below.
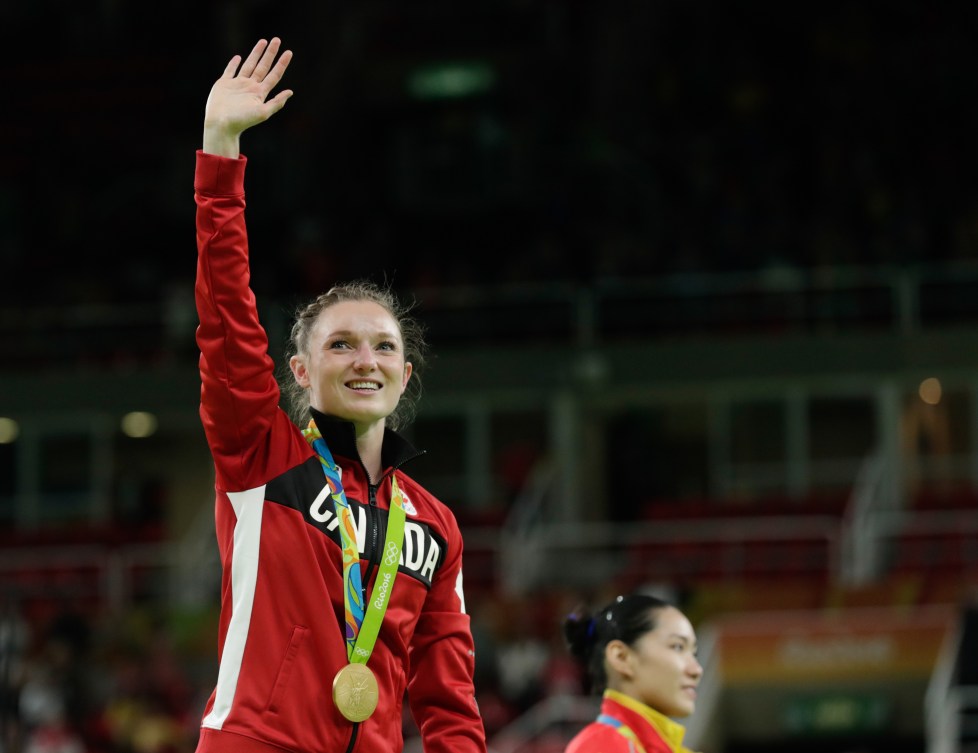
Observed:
{"x":680,"y":711}
{"x":358,"y":415}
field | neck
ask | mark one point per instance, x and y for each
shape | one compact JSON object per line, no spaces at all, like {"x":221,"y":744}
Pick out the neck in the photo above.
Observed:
{"x":370,"y":442}
{"x":369,"y":438}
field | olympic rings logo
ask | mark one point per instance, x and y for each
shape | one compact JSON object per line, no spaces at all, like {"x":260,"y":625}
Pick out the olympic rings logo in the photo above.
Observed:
{"x":392,"y":554}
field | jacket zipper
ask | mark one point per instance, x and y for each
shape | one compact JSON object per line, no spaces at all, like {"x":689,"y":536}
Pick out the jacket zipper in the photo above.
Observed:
{"x":371,"y":553}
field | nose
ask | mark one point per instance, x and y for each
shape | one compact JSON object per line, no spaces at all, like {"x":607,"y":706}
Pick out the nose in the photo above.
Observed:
{"x":695,"y":669}
{"x":365,"y":360}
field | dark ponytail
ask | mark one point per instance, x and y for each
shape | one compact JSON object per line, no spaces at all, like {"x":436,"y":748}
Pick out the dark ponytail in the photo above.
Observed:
{"x":626,"y":619}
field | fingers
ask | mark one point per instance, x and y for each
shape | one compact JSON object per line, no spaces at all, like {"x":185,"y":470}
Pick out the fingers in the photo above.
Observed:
{"x":267,"y":58}
{"x":248,"y":67}
{"x":275,"y":75}
{"x":277,"y":102}
{"x":232,"y":66}
{"x":261,"y":64}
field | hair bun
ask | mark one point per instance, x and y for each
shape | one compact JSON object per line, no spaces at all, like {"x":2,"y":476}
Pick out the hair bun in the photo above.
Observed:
{"x":579,"y":632}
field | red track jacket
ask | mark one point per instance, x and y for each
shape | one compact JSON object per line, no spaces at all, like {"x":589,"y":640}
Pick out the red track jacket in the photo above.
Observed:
{"x":655,"y":732}
{"x":280,"y":635}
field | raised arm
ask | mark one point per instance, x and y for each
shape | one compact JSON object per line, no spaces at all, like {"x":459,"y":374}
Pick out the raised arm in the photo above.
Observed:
{"x":239,"y":98}
{"x":239,"y":399}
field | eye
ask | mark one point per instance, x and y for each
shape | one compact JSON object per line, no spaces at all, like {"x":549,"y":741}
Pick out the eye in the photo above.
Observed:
{"x":387,"y":345}
{"x":339,"y":345}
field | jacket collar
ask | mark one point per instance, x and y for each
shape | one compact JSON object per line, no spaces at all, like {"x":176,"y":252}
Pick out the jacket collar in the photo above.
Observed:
{"x":341,"y":438}
{"x":670,"y":731}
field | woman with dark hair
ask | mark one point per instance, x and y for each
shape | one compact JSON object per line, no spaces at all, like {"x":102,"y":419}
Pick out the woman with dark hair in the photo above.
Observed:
{"x":641,"y":652}
{"x":341,"y":589}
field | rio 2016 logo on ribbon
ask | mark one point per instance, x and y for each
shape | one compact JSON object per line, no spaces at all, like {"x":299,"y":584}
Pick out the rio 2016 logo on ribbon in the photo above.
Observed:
{"x":392,"y":554}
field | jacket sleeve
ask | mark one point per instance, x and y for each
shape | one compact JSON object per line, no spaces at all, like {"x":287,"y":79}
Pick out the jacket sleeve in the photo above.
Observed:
{"x":440,"y":686}
{"x":239,"y":395}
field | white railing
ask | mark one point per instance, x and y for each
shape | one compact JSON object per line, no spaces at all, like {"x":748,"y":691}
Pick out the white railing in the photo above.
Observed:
{"x":942,"y":714}
{"x":113,"y":576}
{"x":187,"y":572}
{"x":537,"y":558}
{"x":560,"y":716}
{"x":860,"y":549}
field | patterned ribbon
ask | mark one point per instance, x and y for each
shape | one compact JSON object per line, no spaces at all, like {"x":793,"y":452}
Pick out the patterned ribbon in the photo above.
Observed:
{"x":363,"y":619}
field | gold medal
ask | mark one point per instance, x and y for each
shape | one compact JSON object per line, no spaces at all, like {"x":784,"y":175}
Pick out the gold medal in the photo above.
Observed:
{"x":355,"y":692}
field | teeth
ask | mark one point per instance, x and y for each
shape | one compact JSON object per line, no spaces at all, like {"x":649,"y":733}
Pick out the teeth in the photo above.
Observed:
{"x":364,"y":385}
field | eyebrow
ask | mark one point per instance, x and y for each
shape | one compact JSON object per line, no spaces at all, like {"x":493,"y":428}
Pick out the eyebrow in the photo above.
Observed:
{"x":684,"y":639}
{"x":347,"y":333}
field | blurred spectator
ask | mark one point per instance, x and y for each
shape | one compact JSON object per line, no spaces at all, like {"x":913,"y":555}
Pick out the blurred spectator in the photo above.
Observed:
{"x":149,"y":701}
{"x":54,"y":698}
{"x":15,"y":636}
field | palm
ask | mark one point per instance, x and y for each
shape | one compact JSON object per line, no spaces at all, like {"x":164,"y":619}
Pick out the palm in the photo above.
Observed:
{"x":239,"y":99}
{"x":237,"y":104}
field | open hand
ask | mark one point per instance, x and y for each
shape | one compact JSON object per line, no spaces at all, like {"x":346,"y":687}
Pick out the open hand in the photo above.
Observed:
{"x":239,"y":98}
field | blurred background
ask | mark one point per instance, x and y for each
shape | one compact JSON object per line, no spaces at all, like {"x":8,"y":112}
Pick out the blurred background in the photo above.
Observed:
{"x":701,"y":279}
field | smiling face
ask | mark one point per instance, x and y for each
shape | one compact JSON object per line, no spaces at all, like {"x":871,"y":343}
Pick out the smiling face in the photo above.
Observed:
{"x":354,"y":368}
{"x":660,"y":669}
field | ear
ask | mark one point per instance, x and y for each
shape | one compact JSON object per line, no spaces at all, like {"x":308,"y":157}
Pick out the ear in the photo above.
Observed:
{"x":299,"y":371}
{"x":408,"y":368}
{"x":618,"y":657}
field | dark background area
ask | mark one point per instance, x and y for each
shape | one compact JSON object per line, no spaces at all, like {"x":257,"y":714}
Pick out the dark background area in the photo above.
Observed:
{"x":616,"y":140}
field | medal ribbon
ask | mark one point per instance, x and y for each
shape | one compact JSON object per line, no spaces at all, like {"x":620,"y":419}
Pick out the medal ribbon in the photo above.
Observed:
{"x":362,"y":620}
